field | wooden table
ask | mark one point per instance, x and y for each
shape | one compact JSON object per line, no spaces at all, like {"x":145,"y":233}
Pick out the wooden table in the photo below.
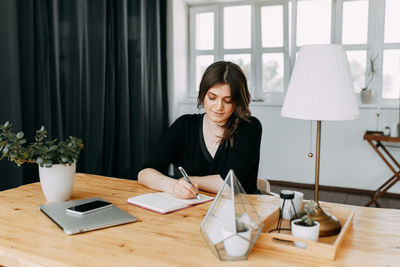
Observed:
{"x":29,"y":238}
{"x":377,"y":140}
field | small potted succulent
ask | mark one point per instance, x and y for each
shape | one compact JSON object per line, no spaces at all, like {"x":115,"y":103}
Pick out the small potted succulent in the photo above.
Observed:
{"x":237,"y":244}
{"x":56,"y":159}
{"x":306,"y":227}
{"x":366,"y":92}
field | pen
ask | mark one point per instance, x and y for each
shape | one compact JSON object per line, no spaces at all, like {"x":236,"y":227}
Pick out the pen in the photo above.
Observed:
{"x":187,"y":178}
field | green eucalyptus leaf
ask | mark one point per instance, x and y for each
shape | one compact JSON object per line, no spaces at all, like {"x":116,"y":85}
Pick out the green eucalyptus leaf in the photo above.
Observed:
{"x":22,"y":141}
{"x":42,"y":151}
{"x":39,"y":160}
{"x":20,"y":135}
{"x":10,"y":136}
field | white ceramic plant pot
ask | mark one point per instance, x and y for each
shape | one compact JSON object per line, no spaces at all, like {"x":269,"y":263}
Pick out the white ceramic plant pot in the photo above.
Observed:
{"x":366,"y":96}
{"x":57,"y":181}
{"x":308,"y":232}
{"x":236,"y":246}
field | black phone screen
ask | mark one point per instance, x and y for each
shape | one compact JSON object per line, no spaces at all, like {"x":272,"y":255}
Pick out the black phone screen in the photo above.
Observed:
{"x":90,"y":206}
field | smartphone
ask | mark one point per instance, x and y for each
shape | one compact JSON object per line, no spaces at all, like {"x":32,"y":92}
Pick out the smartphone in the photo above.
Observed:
{"x":89,"y":207}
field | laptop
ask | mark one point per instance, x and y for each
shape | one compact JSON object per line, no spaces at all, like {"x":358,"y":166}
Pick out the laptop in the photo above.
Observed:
{"x":73,"y":224}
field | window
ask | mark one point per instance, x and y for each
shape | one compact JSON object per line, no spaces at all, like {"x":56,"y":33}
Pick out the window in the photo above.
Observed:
{"x":357,"y":63}
{"x":237,"y":37}
{"x":274,"y":53}
{"x":263,"y":37}
{"x":355,"y":22}
{"x":391,"y":73}
{"x":314,"y":27}
{"x":354,"y":37}
{"x":237,"y":27}
{"x":227,"y":30}
{"x":391,"y":51}
{"x":204,"y":31}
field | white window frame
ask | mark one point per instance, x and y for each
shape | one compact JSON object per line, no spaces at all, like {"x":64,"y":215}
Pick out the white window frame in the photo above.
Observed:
{"x":255,"y":51}
{"x":272,"y":97}
{"x":192,"y":36}
{"x":222,"y":51}
{"x":381,"y":46}
{"x":375,"y":43}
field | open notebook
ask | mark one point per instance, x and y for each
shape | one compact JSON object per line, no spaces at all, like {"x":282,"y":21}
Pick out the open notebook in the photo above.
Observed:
{"x":163,"y":203}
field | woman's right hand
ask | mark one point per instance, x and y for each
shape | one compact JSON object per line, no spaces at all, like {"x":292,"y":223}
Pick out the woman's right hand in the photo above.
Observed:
{"x":183,"y":189}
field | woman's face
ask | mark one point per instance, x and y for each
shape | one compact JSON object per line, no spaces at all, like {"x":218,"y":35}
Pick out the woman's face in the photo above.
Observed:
{"x":218,"y":103}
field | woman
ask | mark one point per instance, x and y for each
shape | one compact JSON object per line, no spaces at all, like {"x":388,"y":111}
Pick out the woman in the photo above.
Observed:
{"x":208,"y":145}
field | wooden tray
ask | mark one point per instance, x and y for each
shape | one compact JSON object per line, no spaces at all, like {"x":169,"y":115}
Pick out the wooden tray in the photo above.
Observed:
{"x":324,"y":248}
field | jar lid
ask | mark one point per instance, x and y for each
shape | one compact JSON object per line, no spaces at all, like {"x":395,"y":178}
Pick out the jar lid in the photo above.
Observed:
{"x":287,"y":194}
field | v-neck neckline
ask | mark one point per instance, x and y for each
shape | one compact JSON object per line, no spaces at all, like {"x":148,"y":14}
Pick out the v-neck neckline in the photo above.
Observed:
{"x":203,"y":145}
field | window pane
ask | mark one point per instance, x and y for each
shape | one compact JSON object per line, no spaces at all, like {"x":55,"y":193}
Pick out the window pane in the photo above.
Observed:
{"x":314,"y":22}
{"x":355,"y":22}
{"x":357,"y":62}
{"x":392,"y":21}
{"x":391,"y":74}
{"x":244,"y":61}
{"x":204,"y":31}
{"x":237,"y":27}
{"x":272,"y":72}
{"x":202,"y":62}
{"x":272,"y":26}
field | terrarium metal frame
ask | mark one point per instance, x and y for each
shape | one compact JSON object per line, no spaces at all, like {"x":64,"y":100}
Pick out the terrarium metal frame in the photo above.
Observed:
{"x":232,"y":225}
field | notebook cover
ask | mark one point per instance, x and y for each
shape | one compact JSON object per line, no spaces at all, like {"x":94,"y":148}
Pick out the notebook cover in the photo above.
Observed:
{"x":157,"y":202}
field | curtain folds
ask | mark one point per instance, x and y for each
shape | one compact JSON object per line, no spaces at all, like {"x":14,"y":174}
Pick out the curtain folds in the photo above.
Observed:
{"x":89,"y":68}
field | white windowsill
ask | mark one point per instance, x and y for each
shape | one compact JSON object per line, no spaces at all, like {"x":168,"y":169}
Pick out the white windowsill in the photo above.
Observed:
{"x":264,"y":104}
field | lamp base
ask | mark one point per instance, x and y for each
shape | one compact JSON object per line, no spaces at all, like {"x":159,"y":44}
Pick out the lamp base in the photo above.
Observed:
{"x":329,"y":225}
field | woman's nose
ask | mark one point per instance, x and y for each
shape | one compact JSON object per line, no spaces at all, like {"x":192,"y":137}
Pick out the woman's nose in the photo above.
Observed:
{"x":220,"y":105}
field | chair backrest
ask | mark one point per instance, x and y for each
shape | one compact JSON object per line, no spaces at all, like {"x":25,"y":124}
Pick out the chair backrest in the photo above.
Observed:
{"x":263,"y":186}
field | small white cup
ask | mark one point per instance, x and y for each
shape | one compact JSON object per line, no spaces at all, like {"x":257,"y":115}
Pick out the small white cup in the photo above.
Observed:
{"x":288,"y":211}
{"x":386,"y":131}
{"x":393,"y":130}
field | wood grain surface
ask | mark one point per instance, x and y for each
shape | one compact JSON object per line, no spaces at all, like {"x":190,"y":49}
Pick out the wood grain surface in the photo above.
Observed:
{"x":29,"y":238}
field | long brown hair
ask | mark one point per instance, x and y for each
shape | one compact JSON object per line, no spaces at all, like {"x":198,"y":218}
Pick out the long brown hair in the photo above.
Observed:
{"x":223,"y":72}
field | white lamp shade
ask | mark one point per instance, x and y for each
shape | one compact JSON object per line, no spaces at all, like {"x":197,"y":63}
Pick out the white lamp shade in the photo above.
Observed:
{"x":321,"y":86}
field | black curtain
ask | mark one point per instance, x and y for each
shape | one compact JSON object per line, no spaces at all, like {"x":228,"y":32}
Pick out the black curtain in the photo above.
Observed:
{"x":94,"y":69}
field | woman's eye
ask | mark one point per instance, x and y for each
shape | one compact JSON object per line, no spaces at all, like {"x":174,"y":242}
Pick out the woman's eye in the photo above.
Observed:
{"x":211,"y":98}
{"x":228,"y":101}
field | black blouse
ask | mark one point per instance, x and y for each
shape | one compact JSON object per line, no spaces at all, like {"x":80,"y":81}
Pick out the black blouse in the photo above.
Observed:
{"x":184,"y":145}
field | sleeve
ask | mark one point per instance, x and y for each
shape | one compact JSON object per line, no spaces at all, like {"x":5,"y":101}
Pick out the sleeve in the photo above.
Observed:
{"x":168,"y":149}
{"x":245,"y":155}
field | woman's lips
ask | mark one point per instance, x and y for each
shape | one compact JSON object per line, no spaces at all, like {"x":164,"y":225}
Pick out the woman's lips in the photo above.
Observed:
{"x":218,"y":113}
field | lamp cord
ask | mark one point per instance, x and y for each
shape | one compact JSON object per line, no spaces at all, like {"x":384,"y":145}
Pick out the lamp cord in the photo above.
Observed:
{"x":310,"y":154}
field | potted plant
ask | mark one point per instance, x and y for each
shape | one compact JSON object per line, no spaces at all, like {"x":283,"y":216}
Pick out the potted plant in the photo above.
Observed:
{"x":56,"y":159}
{"x":237,"y":244}
{"x":366,"y":92}
{"x":306,"y":227}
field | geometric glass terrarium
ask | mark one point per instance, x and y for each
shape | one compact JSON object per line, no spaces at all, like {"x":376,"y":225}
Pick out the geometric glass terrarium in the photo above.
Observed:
{"x":232,"y":225}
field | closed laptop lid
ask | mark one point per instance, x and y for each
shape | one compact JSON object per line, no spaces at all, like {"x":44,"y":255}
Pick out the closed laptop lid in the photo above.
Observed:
{"x":72,"y":223}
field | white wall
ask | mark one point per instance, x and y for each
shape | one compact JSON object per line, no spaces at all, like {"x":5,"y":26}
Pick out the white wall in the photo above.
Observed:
{"x":346,"y":159}
{"x":178,"y":51}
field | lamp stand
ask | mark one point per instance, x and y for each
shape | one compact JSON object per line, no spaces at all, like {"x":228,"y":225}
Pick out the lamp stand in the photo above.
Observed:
{"x":329,"y":225}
